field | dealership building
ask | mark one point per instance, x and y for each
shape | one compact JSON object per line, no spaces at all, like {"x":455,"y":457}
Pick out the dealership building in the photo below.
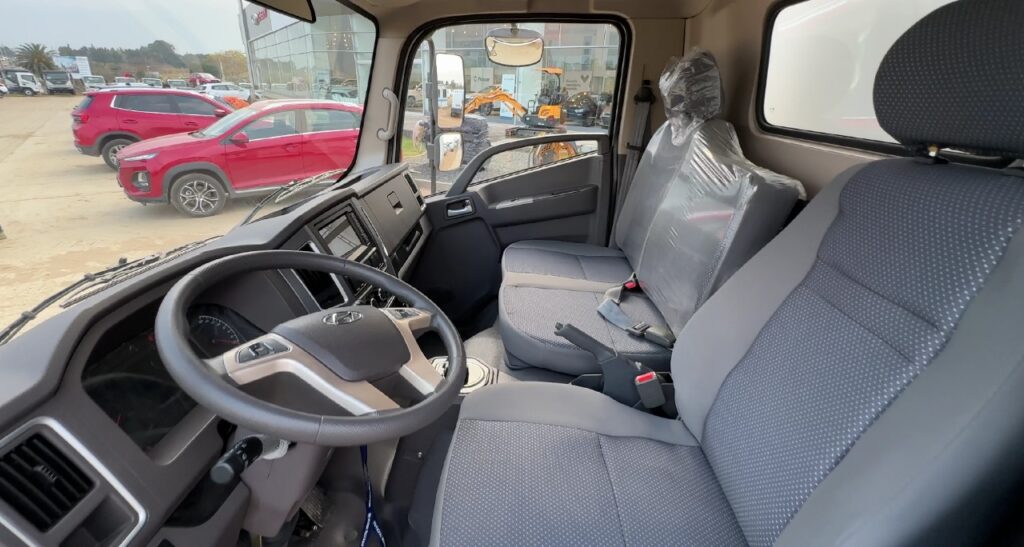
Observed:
{"x":327,"y":59}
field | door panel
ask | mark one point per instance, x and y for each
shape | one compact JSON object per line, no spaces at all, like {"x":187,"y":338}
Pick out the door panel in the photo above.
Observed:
{"x":272,"y":156}
{"x":493,"y":204}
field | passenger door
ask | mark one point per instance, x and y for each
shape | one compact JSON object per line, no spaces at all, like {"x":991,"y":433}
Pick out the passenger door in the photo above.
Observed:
{"x":330,"y":139}
{"x":195,"y":113}
{"x":538,"y":175}
{"x":147,"y":115}
{"x":273,"y":154}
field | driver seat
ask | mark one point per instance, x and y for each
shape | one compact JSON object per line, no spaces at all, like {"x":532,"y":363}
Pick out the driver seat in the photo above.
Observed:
{"x":857,"y":382}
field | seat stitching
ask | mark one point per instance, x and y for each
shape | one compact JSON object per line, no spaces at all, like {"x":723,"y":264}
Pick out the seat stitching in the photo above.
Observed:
{"x":615,"y":497}
{"x":854,"y":280}
{"x":580,"y":429}
{"x":824,"y":300}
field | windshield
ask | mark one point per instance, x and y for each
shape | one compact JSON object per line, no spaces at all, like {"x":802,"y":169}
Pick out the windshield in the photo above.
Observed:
{"x":82,"y":189}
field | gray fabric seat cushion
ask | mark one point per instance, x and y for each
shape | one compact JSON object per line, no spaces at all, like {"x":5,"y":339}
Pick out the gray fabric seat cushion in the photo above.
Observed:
{"x":566,"y":260}
{"x":615,"y":481}
{"x":527,"y":317}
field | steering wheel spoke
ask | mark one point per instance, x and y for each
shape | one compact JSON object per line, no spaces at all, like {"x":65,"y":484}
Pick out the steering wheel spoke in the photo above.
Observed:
{"x":417,"y":371}
{"x":273,"y":354}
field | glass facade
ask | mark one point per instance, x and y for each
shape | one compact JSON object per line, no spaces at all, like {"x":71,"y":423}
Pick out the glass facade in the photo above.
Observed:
{"x":329,"y":59}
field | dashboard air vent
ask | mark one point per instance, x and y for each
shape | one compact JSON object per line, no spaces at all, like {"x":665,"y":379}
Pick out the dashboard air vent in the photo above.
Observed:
{"x":41,"y":483}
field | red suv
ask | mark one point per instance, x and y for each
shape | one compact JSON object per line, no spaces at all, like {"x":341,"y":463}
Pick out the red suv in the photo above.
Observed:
{"x":197,"y":79}
{"x":250,"y":151}
{"x":107,"y":120}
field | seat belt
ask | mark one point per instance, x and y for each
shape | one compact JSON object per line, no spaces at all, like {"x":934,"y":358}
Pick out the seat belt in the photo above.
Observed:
{"x":610,"y":310}
{"x":643,"y":100}
{"x":371,"y":527}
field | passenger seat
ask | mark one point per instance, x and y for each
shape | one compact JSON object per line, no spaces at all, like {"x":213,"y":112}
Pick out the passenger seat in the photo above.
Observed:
{"x":697,"y":211}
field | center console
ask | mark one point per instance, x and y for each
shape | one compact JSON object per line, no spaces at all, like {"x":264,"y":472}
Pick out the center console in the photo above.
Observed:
{"x":383,"y":227}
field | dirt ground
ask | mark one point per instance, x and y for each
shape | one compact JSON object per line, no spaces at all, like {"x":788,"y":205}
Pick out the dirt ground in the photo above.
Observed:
{"x":64,"y":214}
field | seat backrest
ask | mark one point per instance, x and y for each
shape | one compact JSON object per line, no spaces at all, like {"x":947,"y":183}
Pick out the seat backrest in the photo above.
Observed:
{"x":859,"y":380}
{"x":697,"y":209}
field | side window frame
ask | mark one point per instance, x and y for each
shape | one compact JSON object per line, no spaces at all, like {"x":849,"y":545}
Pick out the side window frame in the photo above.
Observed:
{"x":300,"y":125}
{"x":119,"y":99}
{"x":182,"y":98}
{"x":804,"y":134}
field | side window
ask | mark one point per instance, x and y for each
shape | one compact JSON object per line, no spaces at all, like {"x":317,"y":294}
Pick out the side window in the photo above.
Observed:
{"x":194,"y":106}
{"x":331,"y":120}
{"x":570,"y":90}
{"x":278,"y":124}
{"x":149,"y":102}
{"x":822,"y":60}
{"x":523,"y":159}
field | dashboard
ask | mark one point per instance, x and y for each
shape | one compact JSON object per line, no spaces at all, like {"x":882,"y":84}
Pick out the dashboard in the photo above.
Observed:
{"x":92,"y":382}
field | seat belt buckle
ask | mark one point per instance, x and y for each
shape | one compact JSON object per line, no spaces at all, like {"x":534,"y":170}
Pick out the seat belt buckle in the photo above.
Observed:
{"x":648,"y":386}
{"x":631,"y":284}
{"x":639,"y":330}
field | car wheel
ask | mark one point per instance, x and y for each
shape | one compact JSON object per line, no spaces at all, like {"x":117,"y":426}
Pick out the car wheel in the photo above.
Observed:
{"x":198,"y":195}
{"x":111,"y":149}
{"x":28,"y":92}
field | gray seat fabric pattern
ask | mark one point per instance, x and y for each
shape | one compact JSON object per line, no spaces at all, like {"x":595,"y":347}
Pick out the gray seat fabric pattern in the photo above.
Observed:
{"x":567,"y":260}
{"x":603,"y":489}
{"x":975,"y":61}
{"x":910,"y":248}
{"x":696,"y":211}
{"x":528,"y":316}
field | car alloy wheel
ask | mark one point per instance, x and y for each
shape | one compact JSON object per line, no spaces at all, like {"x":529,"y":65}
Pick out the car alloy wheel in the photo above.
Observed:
{"x":199,"y":197}
{"x":112,"y":154}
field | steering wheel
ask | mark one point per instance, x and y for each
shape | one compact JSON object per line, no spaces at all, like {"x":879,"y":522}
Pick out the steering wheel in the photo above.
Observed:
{"x":350,"y":355}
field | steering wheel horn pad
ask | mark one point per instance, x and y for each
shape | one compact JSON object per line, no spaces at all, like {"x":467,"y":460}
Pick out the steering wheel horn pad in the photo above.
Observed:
{"x":342,"y":353}
{"x":357,"y":343}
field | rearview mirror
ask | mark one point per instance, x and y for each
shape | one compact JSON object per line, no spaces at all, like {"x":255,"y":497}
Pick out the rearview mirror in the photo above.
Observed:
{"x":514,"y":46}
{"x":220,"y":112}
{"x":299,"y":9}
{"x":449,"y":150}
{"x":239,"y":138}
{"x":451,"y":89}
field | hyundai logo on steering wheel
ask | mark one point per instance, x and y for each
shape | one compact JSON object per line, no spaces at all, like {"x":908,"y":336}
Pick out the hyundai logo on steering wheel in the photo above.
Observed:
{"x":342,"y":317}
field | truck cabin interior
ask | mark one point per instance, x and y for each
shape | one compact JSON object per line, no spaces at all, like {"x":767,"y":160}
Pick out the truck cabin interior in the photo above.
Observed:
{"x":759,"y":283}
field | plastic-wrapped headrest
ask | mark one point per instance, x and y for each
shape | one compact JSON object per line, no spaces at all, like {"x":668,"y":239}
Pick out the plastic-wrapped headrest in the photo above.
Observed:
{"x":953,"y":80}
{"x":692,"y":91}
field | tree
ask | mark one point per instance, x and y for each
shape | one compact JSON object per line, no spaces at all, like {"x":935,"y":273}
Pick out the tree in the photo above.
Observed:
{"x":35,"y":57}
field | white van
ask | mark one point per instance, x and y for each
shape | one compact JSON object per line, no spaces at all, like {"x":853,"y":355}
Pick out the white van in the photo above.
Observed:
{"x":19,"y":80}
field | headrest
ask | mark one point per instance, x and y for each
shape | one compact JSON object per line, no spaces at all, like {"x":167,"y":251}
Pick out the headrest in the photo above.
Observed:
{"x":692,"y":91}
{"x":955,"y":80}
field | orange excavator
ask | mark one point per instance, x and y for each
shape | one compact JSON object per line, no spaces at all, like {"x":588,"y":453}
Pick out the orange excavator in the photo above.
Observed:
{"x":536,"y":124}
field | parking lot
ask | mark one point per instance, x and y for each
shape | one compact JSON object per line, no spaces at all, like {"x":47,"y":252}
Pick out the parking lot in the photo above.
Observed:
{"x":63,"y":213}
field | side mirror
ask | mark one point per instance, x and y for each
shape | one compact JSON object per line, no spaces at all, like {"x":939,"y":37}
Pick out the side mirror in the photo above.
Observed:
{"x":449,"y":150}
{"x":240,"y":138}
{"x":451,"y":76}
{"x":220,"y":112}
{"x":514,"y":46}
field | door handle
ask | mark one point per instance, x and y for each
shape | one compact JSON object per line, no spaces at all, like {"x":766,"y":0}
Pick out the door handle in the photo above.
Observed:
{"x":129,"y":121}
{"x":458,"y":208}
{"x":191,"y":124}
{"x":291,"y":147}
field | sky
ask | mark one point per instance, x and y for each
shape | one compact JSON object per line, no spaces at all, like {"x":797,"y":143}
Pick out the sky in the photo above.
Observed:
{"x":192,"y":26}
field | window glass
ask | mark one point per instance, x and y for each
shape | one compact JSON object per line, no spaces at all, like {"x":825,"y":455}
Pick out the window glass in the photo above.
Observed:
{"x":531,"y":157}
{"x":195,"y":106}
{"x":149,"y":102}
{"x":331,"y":120}
{"x":163,"y":43}
{"x":570,"y":90}
{"x":278,"y":124}
{"x":822,"y":62}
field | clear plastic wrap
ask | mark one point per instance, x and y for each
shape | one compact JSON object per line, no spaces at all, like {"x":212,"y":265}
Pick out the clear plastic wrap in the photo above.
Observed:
{"x":709,"y":209}
{"x":691,"y":89}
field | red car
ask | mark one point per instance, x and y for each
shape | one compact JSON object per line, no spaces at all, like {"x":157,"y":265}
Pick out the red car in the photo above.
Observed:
{"x":107,"y":120}
{"x":197,"y":79}
{"x":250,"y":151}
